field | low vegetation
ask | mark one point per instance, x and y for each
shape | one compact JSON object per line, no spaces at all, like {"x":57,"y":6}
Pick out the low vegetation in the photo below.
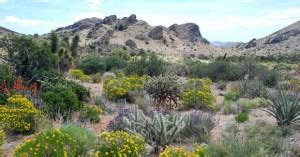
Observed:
{"x":60,"y":100}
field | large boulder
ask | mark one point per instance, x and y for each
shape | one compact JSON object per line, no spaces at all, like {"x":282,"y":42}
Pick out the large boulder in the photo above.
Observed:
{"x":156,"y":33}
{"x":250,"y":44}
{"x":130,"y":43}
{"x":123,"y":23}
{"x":109,"y":20}
{"x":189,"y":32}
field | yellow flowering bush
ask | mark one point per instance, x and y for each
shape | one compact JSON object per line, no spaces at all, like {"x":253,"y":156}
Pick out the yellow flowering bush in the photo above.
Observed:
{"x":1,"y":142}
{"x":67,"y":141}
{"x":120,"y":144}
{"x":116,"y":88}
{"x":197,"y":94}
{"x":180,"y":152}
{"x":79,"y":75}
{"x":18,"y":114}
{"x":90,"y":113}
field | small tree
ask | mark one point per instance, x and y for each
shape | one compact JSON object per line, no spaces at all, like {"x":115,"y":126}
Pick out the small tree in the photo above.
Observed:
{"x":165,"y":91}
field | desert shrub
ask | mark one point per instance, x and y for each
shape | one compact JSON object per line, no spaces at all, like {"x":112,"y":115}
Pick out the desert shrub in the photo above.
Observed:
{"x":150,"y":65}
{"x":4,"y":72}
{"x":271,"y":79}
{"x":252,"y":89}
{"x":250,"y":69}
{"x":90,"y":113}
{"x":216,"y":71}
{"x":108,"y":75}
{"x":241,"y":117}
{"x":68,"y":140}
{"x":284,"y":107}
{"x":117,"y":123}
{"x":254,"y":140}
{"x":221,"y":85}
{"x":245,"y":105}
{"x":121,"y":53}
{"x":82,"y":93}
{"x":103,"y":103}
{"x":93,"y":64}
{"x":198,"y":128}
{"x":96,"y":78}
{"x":158,"y":130}
{"x":120,"y":143}
{"x":232,"y":96}
{"x":165,"y":91}
{"x":181,"y":152}
{"x":197,"y":94}
{"x":60,"y":101}
{"x":114,"y":62}
{"x":118,"y":88}
{"x":294,"y":85}
{"x":178,"y":69}
{"x":78,"y":74}
{"x":2,"y":135}
{"x":229,"y":107}
{"x":18,"y":115}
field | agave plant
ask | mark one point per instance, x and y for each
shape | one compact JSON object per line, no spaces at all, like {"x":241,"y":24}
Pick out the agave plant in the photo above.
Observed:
{"x":285,"y":107}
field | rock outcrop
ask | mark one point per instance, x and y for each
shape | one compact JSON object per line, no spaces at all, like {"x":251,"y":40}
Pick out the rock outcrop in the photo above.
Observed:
{"x":125,"y":22}
{"x":283,"y":41}
{"x":109,"y":20}
{"x":156,"y":33}
{"x":102,"y":35}
{"x":189,"y":32}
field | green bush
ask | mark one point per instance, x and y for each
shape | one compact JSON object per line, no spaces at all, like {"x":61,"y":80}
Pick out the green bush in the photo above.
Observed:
{"x":29,"y":58}
{"x":60,"y":101}
{"x":150,"y":65}
{"x":2,"y":135}
{"x":90,"y":113}
{"x":79,"y":75}
{"x":246,"y":105}
{"x":271,"y":79}
{"x":114,"y":62}
{"x":229,"y":107}
{"x":232,"y":96}
{"x":69,"y":140}
{"x":81,"y":92}
{"x":252,"y":89}
{"x":120,"y":143}
{"x":198,"y":128}
{"x":197,"y":94}
{"x":96,"y":78}
{"x":121,"y":53}
{"x":93,"y":64}
{"x":241,"y":117}
{"x":261,"y":139}
{"x":118,"y":88}
{"x":216,"y":71}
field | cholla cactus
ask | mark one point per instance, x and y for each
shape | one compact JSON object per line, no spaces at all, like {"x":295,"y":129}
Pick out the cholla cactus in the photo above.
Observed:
{"x":164,"y":90}
{"x":158,"y":130}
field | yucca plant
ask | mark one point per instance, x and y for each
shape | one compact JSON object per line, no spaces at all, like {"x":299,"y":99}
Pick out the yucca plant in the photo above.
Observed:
{"x":285,"y":107}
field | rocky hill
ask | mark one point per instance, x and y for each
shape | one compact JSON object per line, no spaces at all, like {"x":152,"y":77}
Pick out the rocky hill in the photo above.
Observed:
{"x":286,"y":40}
{"x":102,"y":35}
{"x":6,"y":32}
